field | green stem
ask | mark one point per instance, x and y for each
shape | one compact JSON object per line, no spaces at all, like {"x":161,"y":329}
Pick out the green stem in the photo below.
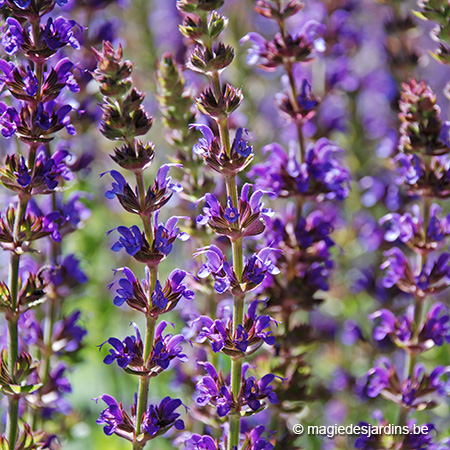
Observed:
{"x":151,"y":321}
{"x":144,"y":381}
{"x":12,"y":426}
{"x":236,"y":376}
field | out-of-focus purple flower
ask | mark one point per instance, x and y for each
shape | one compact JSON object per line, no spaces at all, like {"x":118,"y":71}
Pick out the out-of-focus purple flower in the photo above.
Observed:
{"x":378,"y":378}
{"x":414,"y":392}
{"x":436,"y":325}
{"x":197,"y":442}
{"x":67,"y":273}
{"x":351,"y":333}
{"x":433,"y":277}
{"x":258,"y":48}
{"x":269,"y":54}
{"x":387,"y":324}
{"x":409,"y":228}
{"x":321,"y":175}
{"x":13,"y":38}
{"x":23,"y":173}
{"x":408,"y":168}
{"x":9,"y":120}
{"x":305,"y":100}
{"x":59,"y":32}
{"x":67,"y":334}
{"x":52,"y":395}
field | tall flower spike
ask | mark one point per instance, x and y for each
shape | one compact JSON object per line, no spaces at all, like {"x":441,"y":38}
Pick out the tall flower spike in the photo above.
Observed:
{"x":147,"y":354}
{"x":237,"y":215}
{"x":38,"y":76}
{"x":416,"y":263}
